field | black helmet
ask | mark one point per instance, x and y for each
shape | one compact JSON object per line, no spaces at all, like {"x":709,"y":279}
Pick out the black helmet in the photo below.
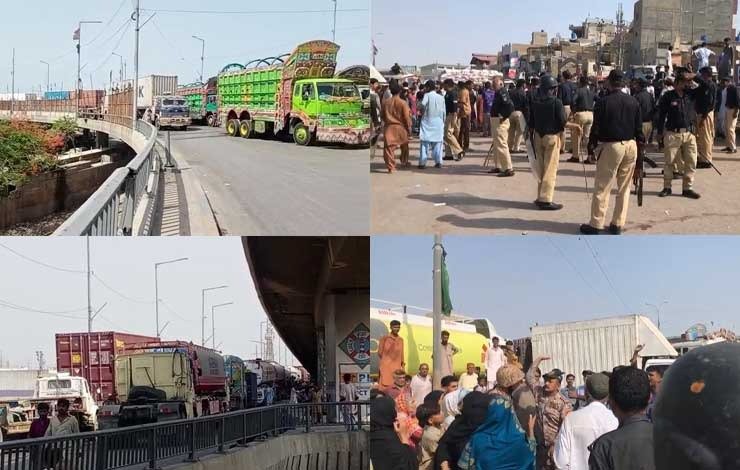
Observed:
{"x":697,"y":411}
{"x":548,"y":82}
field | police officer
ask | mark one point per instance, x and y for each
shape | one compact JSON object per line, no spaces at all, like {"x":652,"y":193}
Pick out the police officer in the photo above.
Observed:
{"x":618,"y":127}
{"x":500,"y":113}
{"x":546,"y":122}
{"x":647,"y":106}
{"x":696,"y":412}
{"x":677,"y":115}
{"x":583,"y":115}
{"x":521,"y":104}
{"x":705,"y":97}
{"x":566,"y":92}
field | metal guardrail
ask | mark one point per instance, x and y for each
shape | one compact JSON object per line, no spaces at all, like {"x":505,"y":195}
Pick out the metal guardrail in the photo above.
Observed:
{"x":152,"y":444}
{"x":110,"y":210}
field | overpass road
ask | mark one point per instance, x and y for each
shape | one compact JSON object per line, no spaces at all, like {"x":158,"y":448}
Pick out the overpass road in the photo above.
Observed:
{"x":268,"y":187}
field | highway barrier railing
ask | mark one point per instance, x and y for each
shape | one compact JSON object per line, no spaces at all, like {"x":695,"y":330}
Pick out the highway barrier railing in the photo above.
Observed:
{"x":156,"y":443}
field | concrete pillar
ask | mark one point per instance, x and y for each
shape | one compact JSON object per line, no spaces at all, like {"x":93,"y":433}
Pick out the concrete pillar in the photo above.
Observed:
{"x":330,"y":335}
{"x":102,"y":140}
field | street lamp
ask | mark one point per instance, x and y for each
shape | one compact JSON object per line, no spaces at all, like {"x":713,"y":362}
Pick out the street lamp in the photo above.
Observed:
{"x":213,"y":321}
{"x":79,"y":41}
{"x":120,"y":72}
{"x":262,"y":337}
{"x":657,"y":309}
{"x":47,"y":74}
{"x":202,"y":54}
{"x":156,"y":287}
{"x":203,"y":312}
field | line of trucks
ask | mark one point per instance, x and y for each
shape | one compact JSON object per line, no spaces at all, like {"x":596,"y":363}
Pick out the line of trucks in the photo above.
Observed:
{"x":596,"y":345}
{"x":117,"y":379}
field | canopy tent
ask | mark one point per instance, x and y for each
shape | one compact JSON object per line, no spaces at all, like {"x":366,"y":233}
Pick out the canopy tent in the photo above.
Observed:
{"x":377,"y":75}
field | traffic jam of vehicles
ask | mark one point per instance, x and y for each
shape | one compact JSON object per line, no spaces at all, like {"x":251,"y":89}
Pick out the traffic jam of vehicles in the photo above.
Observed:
{"x":114,"y":380}
{"x":297,"y":96}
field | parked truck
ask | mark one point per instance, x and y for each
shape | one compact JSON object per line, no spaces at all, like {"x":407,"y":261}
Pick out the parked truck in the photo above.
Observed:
{"x":92,"y":356}
{"x":76,"y":390}
{"x":601,"y":344}
{"x":171,"y":380}
{"x":169,"y":111}
{"x":202,"y":101}
{"x":295,"y":95}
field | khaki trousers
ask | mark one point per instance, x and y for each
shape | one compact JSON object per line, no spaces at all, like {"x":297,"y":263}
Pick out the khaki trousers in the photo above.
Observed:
{"x":585,"y":119}
{"x":616,"y":161}
{"x":679,"y":146}
{"x":451,"y":128}
{"x":516,"y":132}
{"x":500,"y":131}
{"x":705,"y":136}
{"x":647,"y":129}
{"x":731,"y":127}
{"x":562,"y":134}
{"x":547,"y":149}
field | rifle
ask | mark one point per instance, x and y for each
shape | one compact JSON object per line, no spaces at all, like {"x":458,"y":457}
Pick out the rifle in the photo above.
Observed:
{"x":638,"y":177}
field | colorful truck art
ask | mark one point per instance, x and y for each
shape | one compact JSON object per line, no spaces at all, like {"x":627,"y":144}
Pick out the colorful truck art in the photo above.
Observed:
{"x":293,"y":94}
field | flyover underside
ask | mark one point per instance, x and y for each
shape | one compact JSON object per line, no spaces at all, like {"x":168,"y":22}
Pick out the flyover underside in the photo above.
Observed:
{"x":293,"y":274}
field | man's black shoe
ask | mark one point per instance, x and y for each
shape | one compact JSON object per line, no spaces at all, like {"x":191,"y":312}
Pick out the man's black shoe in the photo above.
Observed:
{"x":690,"y":193}
{"x":665,"y":192}
{"x":590,"y":161}
{"x":730,"y":151}
{"x":615,"y":229}
{"x":506,"y":173}
{"x":448,"y":157}
{"x":438,"y":165}
{"x":587,"y":229}
{"x":422,"y":167}
{"x":573,"y":160}
{"x":703,"y":165}
{"x":460,"y":156}
{"x":726,"y":149}
{"x":548,"y":206}
{"x":495,"y":170}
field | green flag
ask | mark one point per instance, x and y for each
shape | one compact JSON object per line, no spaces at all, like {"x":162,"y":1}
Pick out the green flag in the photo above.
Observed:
{"x":446,"y":302}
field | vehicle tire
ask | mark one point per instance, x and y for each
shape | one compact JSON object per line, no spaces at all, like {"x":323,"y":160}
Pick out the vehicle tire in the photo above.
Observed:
{"x":302,"y":135}
{"x":245,"y":129}
{"x":211,"y":120}
{"x":232,"y":127}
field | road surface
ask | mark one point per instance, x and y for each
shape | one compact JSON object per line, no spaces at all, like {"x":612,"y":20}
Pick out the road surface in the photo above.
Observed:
{"x":463,"y":198}
{"x":268,"y":187}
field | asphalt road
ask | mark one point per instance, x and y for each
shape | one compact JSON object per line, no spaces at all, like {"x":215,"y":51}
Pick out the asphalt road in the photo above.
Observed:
{"x":463,"y":198}
{"x":268,"y":187}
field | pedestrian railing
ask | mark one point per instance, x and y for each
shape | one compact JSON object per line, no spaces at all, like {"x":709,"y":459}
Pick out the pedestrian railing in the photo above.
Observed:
{"x":110,"y":210}
{"x":154,"y":444}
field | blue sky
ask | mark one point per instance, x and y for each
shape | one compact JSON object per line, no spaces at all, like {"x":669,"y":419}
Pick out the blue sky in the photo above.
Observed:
{"x":449,"y":32}
{"x":519,"y":281}
{"x":126,"y":265}
{"x":42,"y":30}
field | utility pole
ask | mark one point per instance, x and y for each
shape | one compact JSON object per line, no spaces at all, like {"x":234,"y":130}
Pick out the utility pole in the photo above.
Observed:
{"x":89,"y":303}
{"x":120,"y":71}
{"x":203,"y":312}
{"x":137,"y":13}
{"x":334,"y":28}
{"x":47,"y":74}
{"x":437,"y":319}
{"x":202,"y":55}
{"x":12,"y":85}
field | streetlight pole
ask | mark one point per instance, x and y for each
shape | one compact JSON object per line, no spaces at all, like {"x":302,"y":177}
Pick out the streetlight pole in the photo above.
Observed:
{"x":137,"y":14}
{"x":120,"y":71}
{"x":334,"y":28}
{"x":47,"y":74}
{"x":79,"y":42}
{"x":657,"y":309}
{"x":202,"y":54}
{"x":262,"y":338}
{"x":213,"y":321}
{"x":156,"y":288}
{"x":203,"y":312}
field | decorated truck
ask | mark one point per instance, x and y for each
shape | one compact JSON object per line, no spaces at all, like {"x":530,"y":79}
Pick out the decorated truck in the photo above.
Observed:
{"x":202,"y":100}
{"x":294,"y":94}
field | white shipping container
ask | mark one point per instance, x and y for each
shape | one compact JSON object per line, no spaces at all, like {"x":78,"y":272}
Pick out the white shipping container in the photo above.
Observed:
{"x":149,"y":87}
{"x":597,"y":345}
{"x":19,"y":383}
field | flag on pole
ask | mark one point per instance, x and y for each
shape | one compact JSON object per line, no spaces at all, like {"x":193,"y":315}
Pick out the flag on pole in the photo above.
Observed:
{"x":76,"y":35}
{"x":375,"y":48}
{"x":446,"y":302}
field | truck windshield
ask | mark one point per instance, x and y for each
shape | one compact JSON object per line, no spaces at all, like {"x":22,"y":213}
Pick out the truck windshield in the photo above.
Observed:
{"x":173,"y":102}
{"x":58,"y":384}
{"x":336,"y":90}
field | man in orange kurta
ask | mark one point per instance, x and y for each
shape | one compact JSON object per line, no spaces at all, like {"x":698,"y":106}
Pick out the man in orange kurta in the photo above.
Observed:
{"x":390,"y":353}
{"x":397,"y":121}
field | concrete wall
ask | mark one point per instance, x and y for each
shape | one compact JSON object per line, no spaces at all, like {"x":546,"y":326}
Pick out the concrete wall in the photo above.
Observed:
{"x":59,"y":190}
{"x":317,"y":450}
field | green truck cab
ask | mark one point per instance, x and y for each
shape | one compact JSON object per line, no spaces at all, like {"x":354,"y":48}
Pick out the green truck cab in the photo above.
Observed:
{"x":202,"y":99}
{"x":295,"y":94}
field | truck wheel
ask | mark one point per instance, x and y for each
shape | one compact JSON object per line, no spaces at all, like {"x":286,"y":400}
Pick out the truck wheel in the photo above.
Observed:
{"x":245,"y":129}
{"x":302,"y":135}
{"x":232,"y":127}
{"x":211,"y":120}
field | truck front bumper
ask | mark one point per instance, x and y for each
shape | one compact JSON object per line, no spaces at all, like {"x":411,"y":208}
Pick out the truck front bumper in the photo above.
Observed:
{"x":174,"y":121}
{"x":349,"y":136}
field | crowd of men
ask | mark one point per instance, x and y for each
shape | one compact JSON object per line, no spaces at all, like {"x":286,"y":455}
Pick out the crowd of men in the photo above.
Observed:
{"x":501,"y":416}
{"x":609,"y":122}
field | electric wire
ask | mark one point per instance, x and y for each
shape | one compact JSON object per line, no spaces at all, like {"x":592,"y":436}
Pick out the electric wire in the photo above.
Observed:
{"x":253,"y":12}
{"x":41,"y":263}
{"x":606,"y":276}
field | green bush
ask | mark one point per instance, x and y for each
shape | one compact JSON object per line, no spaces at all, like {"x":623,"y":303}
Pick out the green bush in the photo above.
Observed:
{"x":26,"y":150}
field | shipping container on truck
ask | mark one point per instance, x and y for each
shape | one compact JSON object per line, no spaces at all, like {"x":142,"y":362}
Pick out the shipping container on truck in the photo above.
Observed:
{"x":92,"y":356}
{"x":56,"y":95}
{"x":294,"y":94}
{"x":149,"y":88}
{"x":161,"y":381}
{"x":599,"y":345}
